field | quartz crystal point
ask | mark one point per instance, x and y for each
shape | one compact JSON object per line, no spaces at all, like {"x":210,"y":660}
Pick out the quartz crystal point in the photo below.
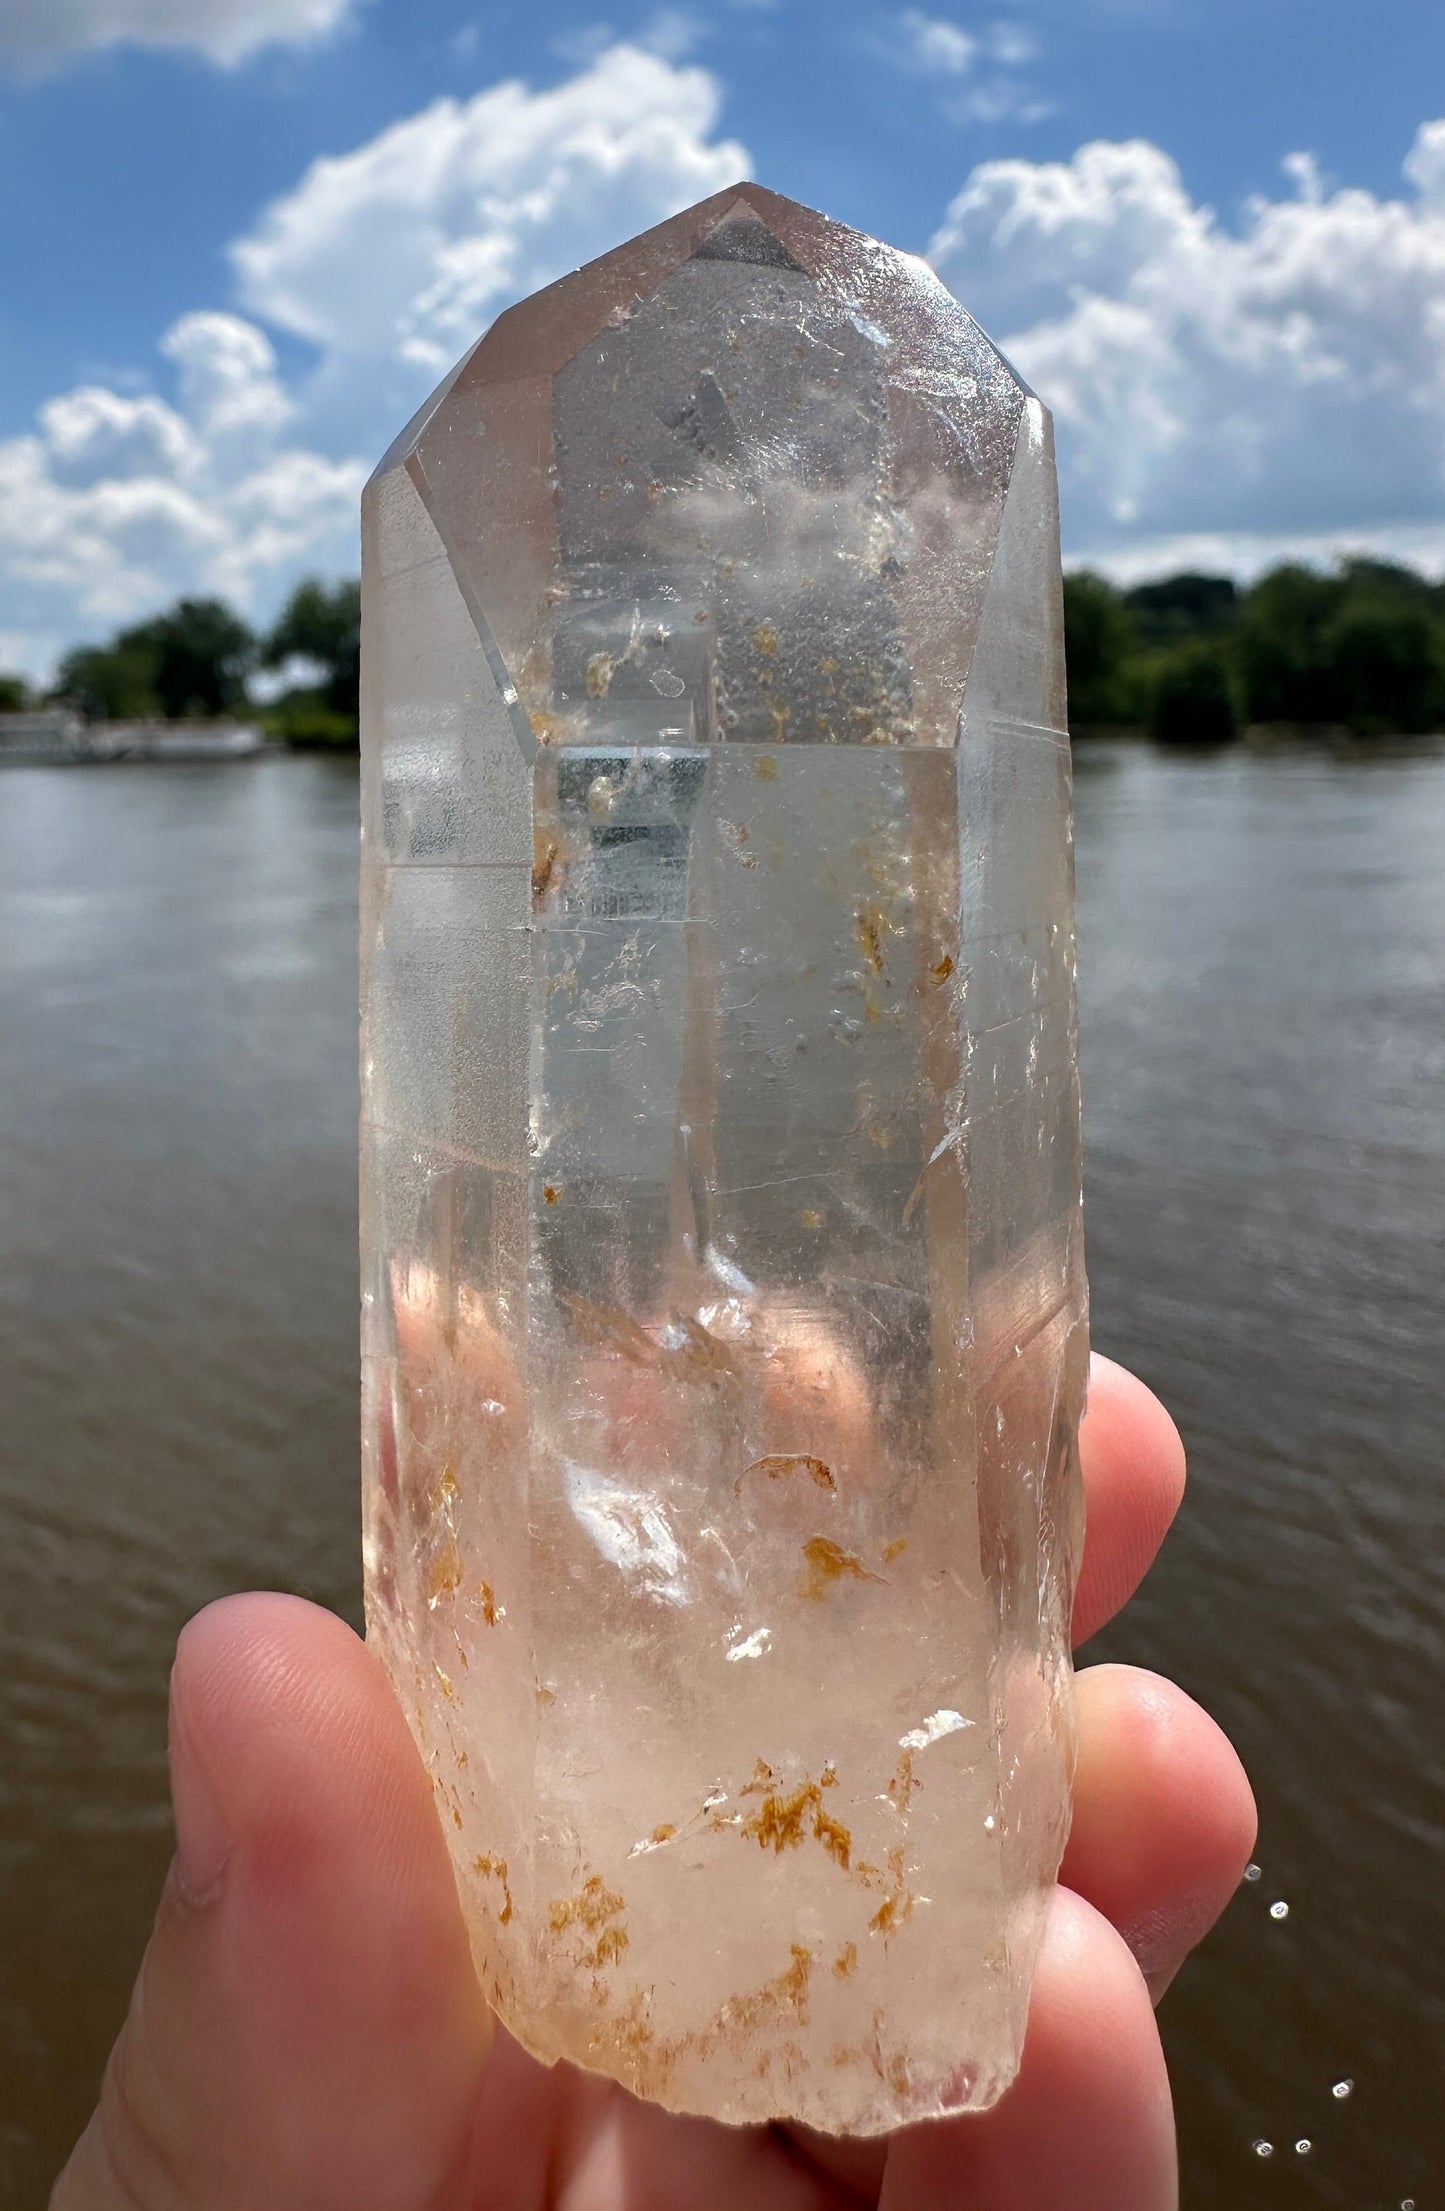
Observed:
{"x":724,"y":1305}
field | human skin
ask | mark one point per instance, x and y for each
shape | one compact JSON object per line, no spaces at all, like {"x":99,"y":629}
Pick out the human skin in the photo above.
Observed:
{"x":307,"y":2033}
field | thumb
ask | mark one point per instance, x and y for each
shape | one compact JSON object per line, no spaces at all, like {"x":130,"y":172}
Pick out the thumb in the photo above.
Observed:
{"x":306,"y":2030}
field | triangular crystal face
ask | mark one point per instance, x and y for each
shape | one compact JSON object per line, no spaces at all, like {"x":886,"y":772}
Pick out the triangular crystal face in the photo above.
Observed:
{"x":742,"y":237}
{"x":724,"y":1314}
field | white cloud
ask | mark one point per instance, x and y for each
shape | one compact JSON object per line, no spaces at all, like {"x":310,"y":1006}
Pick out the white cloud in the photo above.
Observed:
{"x":1245,"y":554}
{"x":1278,"y":384}
{"x":93,"y":433}
{"x":391,"y":260}
{"x":976,"y":78}
{"x":671,"y":32}
{"x":928,"y":44}
{"x":115,"y":505}
{"x":227,"y":376}
{"x":1013,"y":44}
{"x":45,"y":32}
{"x":405,"y":248}
{"x":999,"y":98}
{"x":1425,"y":165}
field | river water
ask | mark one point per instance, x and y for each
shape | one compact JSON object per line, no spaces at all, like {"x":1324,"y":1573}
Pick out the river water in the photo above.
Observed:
{"x":1263,"y":1006}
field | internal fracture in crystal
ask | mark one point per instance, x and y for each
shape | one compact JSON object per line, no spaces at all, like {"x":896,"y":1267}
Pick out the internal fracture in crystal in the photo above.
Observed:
{"x":724,"y":1305}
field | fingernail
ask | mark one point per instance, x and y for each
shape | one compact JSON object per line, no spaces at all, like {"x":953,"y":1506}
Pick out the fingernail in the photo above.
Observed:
{"x":203,"y":1842}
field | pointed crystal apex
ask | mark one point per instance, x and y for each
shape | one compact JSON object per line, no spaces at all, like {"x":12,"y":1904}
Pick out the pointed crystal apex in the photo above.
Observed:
{"x":798,"y":419}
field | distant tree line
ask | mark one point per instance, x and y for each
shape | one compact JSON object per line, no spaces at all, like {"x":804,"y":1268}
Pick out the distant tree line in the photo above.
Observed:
{"x":1190,"y":658}
{"x":197,"y":661}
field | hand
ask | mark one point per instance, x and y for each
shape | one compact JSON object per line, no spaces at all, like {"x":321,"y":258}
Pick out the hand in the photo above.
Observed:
{"x":307,"y":2033}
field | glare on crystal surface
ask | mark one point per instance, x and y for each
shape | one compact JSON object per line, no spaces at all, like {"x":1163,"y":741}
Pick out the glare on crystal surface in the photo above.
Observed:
{"x":724,"y":1307}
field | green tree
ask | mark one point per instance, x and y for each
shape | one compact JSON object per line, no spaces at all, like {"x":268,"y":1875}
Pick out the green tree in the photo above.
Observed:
{"x":1365,"y":646}
{"x":111,"y":682}
{"x":14,"y":694}
{"x":191,"y":660}
{"x":1282,"y":650}
{"x":303,"y":720}
{"x":322,"y":623}
{"x":203,"y":652}
{"x":1385,"y":661}
{"x":1194,"y":701}
{"x":1098,"y":641}
{"x":1176,"y":607}
{"x":1385,"y":578}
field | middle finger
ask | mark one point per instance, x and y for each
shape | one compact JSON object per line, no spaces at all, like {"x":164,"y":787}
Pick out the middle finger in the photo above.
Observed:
{"x":1164,"y":1818}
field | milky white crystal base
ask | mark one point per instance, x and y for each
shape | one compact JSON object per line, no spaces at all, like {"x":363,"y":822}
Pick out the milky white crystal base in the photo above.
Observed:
{"x":724,"y":1329}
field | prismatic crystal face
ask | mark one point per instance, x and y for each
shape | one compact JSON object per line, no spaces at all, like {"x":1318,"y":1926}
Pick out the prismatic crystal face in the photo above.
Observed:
{"x":724,"y":1305}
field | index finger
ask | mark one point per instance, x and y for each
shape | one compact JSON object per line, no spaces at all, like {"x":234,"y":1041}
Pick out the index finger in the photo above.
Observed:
{"x":1133,"y":1468}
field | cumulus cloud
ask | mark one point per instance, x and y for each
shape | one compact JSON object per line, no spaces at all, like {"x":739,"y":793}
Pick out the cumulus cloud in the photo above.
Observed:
{"x":390,"y":260}
{"x":115,"y":504}
{"x":45,"y":32}
{"x":405,"y":248}
{"x":226,"y":371}
{"x":1276,"y":385}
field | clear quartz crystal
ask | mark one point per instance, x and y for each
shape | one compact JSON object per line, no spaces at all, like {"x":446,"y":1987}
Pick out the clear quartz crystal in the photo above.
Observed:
{"x":724,"y":1303}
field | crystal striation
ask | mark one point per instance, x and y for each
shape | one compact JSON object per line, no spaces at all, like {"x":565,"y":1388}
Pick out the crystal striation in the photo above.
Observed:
{"x":724,"y":1307}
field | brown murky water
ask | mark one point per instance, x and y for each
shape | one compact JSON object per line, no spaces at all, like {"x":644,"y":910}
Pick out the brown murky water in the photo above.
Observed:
{"x":1263,"y":987}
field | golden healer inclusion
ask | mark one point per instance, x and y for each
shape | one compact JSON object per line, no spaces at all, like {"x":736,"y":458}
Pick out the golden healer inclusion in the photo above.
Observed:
{"x":724,"y":1300}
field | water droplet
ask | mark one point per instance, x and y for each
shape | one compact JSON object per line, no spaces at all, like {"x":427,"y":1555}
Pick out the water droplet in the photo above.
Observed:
{"x":1303,"y":2146}
{"x":1342,"y":2089}
{"x":989,"y":1823}
{"x":1263,"y":2148}
{"x":1279,"y":1910}
{"x":1252,"y":1873}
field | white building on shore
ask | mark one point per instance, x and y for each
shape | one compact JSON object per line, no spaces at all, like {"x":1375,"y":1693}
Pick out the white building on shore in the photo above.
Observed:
{"x":58,"y":735}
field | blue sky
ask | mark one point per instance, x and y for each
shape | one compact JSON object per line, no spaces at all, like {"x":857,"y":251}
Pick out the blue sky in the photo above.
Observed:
{"x":245,"y":236}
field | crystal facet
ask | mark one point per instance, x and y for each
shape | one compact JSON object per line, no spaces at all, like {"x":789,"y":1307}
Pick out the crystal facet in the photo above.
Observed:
{"x":724,"y":1306}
